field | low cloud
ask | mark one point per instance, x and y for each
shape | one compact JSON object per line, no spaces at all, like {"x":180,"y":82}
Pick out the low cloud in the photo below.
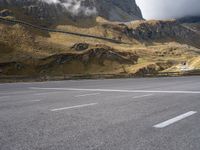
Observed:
{"x":75,"y":7}
{"x":165,"y":9}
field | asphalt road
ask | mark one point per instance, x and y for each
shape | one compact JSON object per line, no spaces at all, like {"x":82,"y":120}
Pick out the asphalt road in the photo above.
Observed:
{"x":112,"y":114}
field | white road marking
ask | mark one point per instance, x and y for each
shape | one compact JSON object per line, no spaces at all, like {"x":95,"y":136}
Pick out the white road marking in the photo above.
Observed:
{"x":174,"y":120}
{"x":48,"y":93}
{"x":20,"y":92}
{"x":1,"y":97}
{"x":141,"y":96}
{"x":37,"y":100}
{"x":21,"y":101}
{"x":115,"y":90}
{"x":91,"y":94}
{"x":71,"y":107}
{"x":16,"y":83}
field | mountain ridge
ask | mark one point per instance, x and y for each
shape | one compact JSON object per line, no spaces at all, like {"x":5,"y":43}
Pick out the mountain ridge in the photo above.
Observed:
{"x":75,"y":10}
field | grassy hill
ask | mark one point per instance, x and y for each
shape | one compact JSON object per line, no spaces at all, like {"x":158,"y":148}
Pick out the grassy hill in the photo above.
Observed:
{"x":144,"y":47}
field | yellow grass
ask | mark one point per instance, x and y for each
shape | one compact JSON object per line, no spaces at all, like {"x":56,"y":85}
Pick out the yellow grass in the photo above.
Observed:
{"x":18,"y":43}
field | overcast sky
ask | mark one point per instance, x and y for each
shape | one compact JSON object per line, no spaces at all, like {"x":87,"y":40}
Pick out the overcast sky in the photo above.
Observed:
{"x":165,"y":9}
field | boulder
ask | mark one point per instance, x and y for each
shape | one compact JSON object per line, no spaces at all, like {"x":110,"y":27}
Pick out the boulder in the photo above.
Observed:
{"x":5,"y":13}
{"x":80,"y":46}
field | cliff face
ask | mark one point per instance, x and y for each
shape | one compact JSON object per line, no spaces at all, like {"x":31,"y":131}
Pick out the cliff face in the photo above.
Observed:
{"x":119,"y":10}
{"x":115,"y":10}
{"x":170,"y":30}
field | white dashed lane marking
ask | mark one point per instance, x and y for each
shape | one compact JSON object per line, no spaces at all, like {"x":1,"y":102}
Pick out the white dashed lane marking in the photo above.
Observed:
{"x":91,"y":94}
{"x":141,"y":96}
{"x":174,"y":120}
{"x":123,"y":91}
{"x":73,"y":107}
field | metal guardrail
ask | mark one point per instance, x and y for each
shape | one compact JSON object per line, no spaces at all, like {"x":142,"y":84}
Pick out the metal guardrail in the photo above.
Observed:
{"x":183,"y":73}
{"x":58,"y":31}
{"x":96,"y":76}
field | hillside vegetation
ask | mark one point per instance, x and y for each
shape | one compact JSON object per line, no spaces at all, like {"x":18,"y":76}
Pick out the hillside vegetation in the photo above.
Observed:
{"x":144,"y":47}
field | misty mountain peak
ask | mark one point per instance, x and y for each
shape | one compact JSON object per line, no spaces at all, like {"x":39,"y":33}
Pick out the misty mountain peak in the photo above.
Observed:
{"x":114,"y":10}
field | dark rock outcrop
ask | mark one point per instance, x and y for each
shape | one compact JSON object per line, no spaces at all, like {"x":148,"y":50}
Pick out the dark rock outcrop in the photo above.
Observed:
{"x":191,"y":19}
{"x":119,"y":10}
{"x":163,"y":30}
{"x":80,"y":46}
{"x":98,"y":56}
{"x":5,"y":13}
{"x":148,"y":70}
{"x":98,"y":53}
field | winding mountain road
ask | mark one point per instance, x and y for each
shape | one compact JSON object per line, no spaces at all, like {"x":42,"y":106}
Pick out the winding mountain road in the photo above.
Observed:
{"x":24,"y":23}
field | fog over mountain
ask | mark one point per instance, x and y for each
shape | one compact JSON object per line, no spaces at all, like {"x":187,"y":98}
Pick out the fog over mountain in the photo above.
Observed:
{"x":165,"y":9}
{"x":75,"y":6}
{"x":74,"y":10}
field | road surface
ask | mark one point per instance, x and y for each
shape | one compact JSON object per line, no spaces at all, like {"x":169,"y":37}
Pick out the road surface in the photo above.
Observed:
{"x":110,"y":114}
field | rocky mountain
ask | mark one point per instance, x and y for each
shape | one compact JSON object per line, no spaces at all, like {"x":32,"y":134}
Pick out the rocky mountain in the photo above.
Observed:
{"x":119,"y":10}
{"x":56,"y":10}
{"x":190,"y":19}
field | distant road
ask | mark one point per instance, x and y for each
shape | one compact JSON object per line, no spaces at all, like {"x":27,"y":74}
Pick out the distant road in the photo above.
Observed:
{"x":110,"y":114}
{"x":191,"y":29}
{"x":57,"y":31}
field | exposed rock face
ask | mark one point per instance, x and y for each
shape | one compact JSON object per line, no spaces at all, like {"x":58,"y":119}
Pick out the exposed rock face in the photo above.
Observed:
{"x":99,"y":55}
{"x":115,"y":10}
{"x":80,"y":46}
{"x":35,"y":8}
{"x":193,"y":19}
{"x":5,"y":13}
{"x":149,"y":69}
{"x":163,"y":30}
{"x":119,"y":10}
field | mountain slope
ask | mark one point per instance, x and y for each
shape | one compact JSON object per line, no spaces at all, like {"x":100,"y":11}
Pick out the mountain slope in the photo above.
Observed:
{"x":28,"y":51}
{"x":131,"y":48}
{"x":75,"y":11}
